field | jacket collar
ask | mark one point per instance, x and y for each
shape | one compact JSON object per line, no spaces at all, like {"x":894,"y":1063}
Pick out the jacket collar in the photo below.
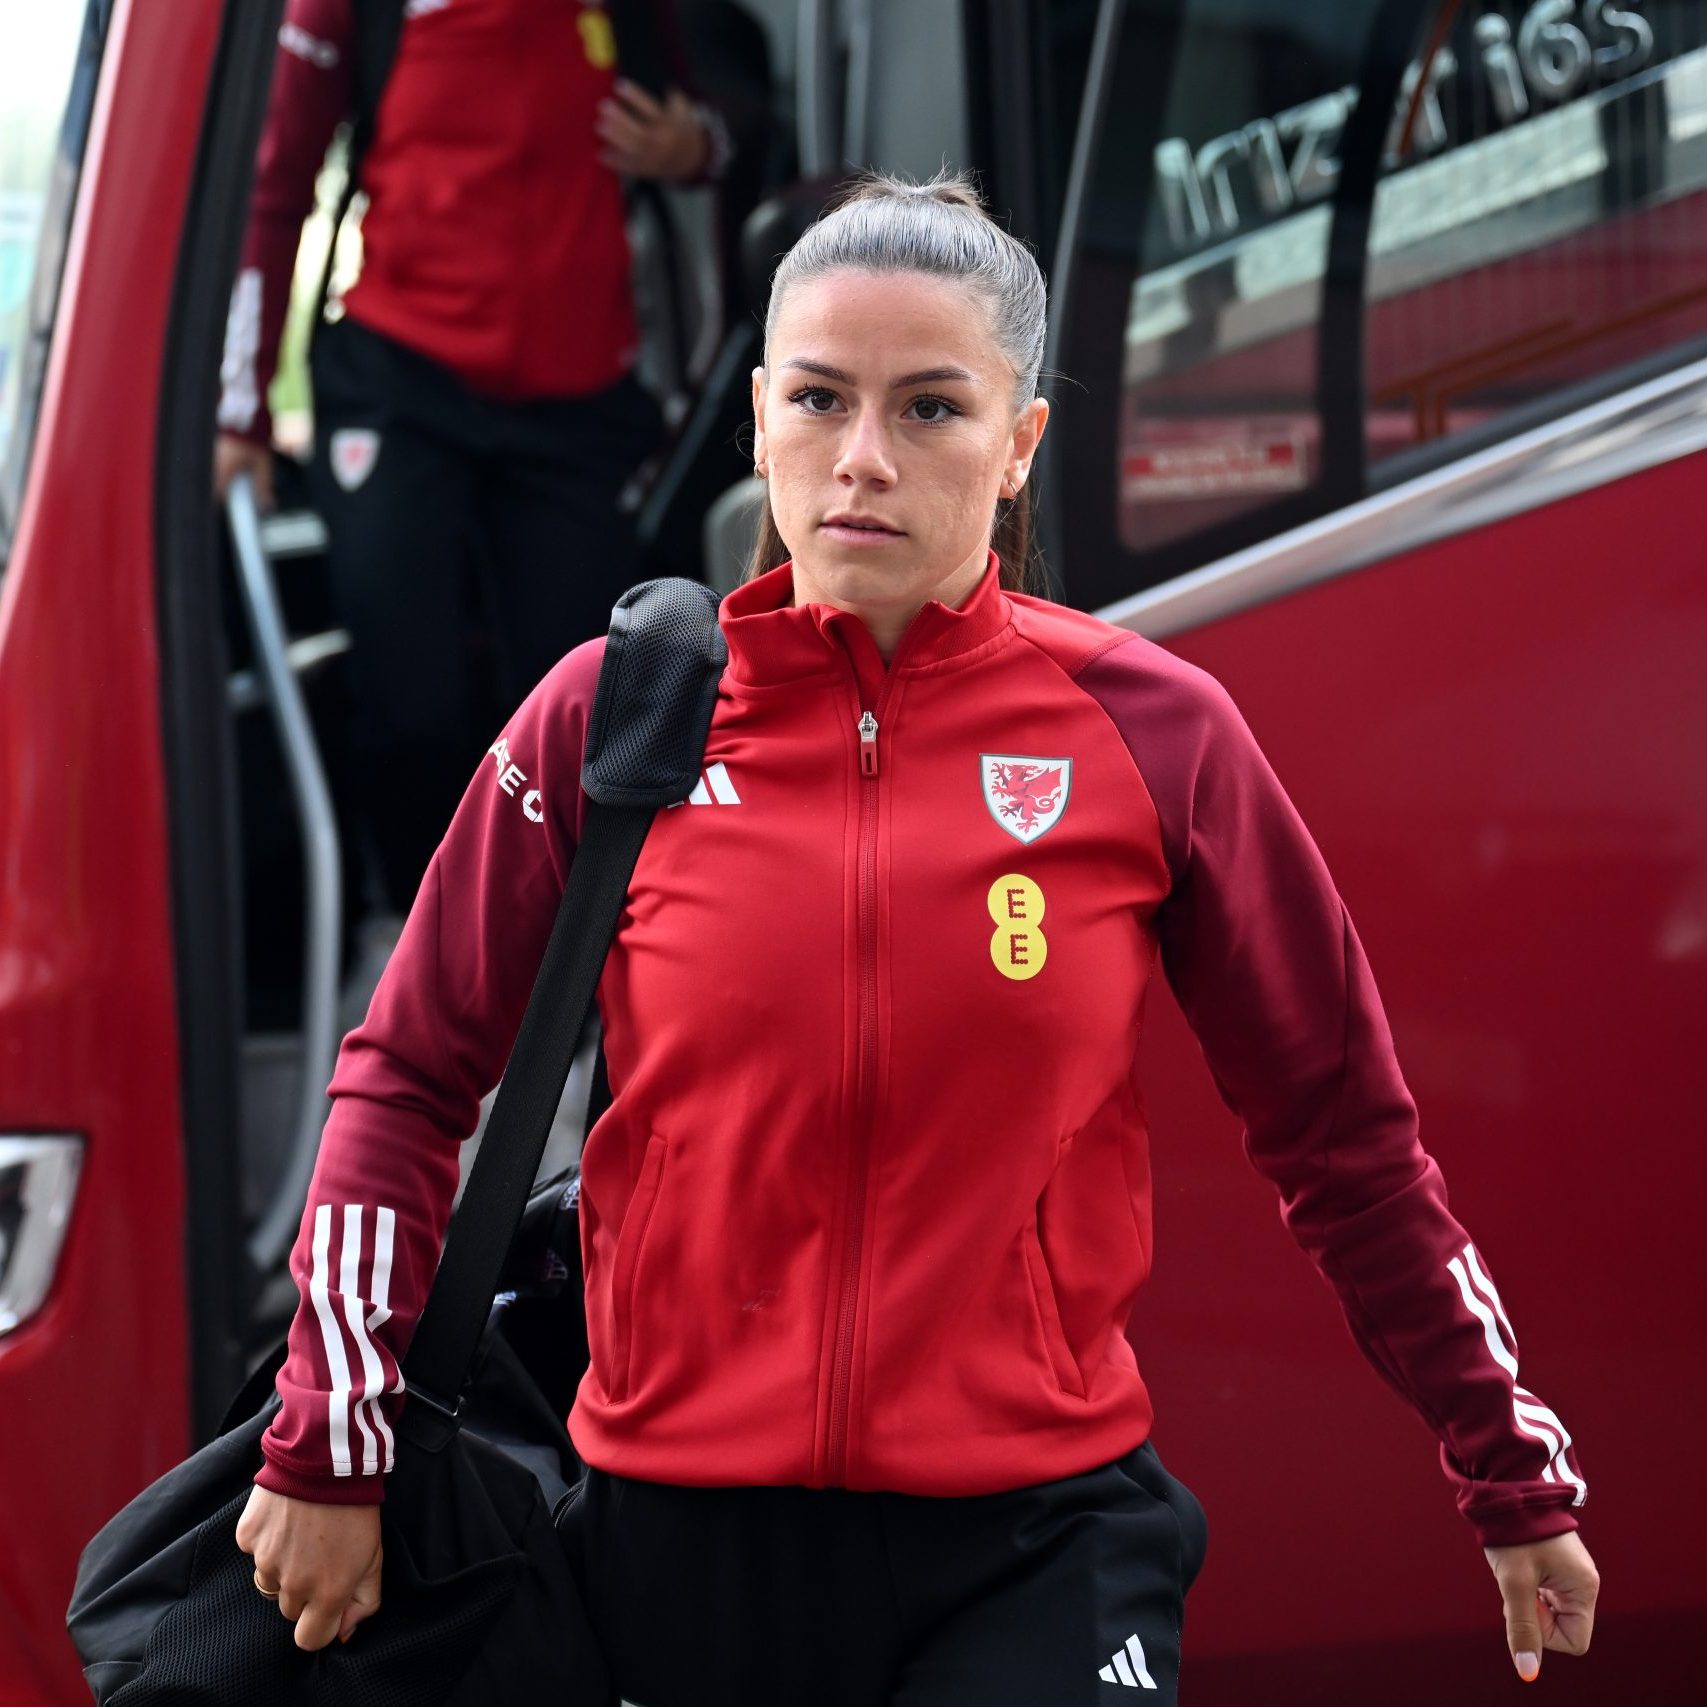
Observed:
{"x":772,"y":639}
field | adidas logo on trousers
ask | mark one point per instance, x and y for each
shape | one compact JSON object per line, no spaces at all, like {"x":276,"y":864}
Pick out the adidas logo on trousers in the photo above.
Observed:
{"x":1128,"y":1667}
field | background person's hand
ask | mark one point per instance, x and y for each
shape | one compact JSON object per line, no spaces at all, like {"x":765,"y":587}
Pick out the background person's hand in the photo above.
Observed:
{"x":1549,"y":1588}
{"x":646,"y":138}
{"x":322,"y":1561}
{"x":233,"y":456}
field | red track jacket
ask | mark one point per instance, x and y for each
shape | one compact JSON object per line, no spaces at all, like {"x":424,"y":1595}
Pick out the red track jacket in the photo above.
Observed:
{"x":828,"y":1238}
{"x":494,"y":240}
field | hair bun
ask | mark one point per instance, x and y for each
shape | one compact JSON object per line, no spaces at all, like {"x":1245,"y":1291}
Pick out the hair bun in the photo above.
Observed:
{"x":948,"y":188}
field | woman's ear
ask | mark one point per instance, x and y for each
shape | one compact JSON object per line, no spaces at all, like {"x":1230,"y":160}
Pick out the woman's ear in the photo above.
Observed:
{"x":1028,"y":434}
{"x":758,"y":418}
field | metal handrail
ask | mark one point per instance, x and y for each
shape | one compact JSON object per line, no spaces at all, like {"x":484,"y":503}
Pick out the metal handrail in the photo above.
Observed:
{"x":244,"y":690}
{"x":322,"y":863}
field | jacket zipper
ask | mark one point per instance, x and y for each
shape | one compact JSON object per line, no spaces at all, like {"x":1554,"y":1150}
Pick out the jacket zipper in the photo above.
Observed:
{"x":853,"y":1222}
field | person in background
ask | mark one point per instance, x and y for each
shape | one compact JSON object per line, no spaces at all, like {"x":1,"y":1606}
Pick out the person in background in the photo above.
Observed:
{"x":477,"y":400}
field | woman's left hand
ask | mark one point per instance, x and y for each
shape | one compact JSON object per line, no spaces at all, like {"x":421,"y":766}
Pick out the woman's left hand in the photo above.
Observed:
{"x":1549,"y":1588}
{"x":647,"y":138}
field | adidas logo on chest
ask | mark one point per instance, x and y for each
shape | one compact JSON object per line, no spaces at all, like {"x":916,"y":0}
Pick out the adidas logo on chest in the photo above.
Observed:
{"x":713,"y":789}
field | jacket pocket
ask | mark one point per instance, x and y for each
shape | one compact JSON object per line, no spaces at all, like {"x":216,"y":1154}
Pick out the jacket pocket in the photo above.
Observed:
{"x":625,"y":1268}
{"x":1061,"y":1357}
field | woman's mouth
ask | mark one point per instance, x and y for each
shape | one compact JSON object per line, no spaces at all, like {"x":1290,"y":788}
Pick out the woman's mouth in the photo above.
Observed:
{"x":859,"y":530}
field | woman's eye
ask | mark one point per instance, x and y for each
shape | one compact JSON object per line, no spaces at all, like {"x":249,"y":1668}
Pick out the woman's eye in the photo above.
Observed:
{"x":815,"y":400}
{"x":933,"y":410}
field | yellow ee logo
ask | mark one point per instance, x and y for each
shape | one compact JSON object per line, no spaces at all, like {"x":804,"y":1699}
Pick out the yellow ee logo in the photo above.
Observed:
{"x":598,"y":39}
{"x":1019,"y":947}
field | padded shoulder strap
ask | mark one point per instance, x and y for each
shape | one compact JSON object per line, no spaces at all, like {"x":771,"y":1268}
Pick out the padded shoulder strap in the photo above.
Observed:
{"x":645,"y":743}
{"x":657,"y":690}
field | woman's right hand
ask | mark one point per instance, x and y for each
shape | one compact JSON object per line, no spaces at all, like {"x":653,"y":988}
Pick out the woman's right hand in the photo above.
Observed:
{"x":233,"y":456}
{"x":320,"y":1561}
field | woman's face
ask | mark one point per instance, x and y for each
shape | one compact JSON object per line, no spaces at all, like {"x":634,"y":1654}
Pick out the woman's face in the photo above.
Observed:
{"x":887,"y":428}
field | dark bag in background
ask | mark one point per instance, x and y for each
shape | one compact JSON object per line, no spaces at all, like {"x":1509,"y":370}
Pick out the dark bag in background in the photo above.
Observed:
{"x":542,"y":1313}
{"x":479,"y":1604}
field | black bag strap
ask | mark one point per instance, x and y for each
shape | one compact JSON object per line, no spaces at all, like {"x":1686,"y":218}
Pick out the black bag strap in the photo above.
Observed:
{"x":378,"y":28}
{"x":645,"y":744}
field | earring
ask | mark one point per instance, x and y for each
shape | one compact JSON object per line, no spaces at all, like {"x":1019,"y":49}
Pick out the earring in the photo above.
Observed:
{"x":760,"y":471}
{"x":1009,"y":489}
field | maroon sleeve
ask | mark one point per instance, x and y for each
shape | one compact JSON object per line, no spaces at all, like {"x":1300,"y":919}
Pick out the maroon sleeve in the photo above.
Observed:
{"x":407,"y":1090}
{"x":311,"y":94}
{"x":1259,"y":949}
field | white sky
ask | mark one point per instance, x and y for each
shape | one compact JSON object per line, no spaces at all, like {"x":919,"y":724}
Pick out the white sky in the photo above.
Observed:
{"x":38,"y":45}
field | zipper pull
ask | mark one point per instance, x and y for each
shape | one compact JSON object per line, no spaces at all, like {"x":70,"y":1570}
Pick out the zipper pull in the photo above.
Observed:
{"x":867,"y":745}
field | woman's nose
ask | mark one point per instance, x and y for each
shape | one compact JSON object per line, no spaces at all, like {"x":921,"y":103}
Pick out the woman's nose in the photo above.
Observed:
{"x":865,"y":456}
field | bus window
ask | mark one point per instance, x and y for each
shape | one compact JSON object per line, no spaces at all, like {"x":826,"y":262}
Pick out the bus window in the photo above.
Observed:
{"x":1318,"y":243}
{"x":1218,"y":411}
{"x":1541,"y":222}
{"x":47,"y":76}
{"x":1193,"y":270}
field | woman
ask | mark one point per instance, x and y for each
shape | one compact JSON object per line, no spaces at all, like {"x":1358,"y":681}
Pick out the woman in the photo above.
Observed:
{"x":862,"y":1423}
{"x":476,"y":406}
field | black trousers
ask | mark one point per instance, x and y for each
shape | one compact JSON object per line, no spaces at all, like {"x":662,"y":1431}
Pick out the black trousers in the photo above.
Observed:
{"x":1063,"y":1593}
{"x":427,"y":486}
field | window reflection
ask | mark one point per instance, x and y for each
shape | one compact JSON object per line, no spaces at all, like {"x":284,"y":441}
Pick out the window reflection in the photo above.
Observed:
{"x":1539,"y":223}
{"x":1560,"y":233}
{"x":1219,"y":415}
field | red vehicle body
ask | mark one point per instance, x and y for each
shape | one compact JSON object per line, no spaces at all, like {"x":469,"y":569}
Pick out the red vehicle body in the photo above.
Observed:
{"x":1468,"y":630}
{"x":93,"y":1395}
{"x":1493,"y":741}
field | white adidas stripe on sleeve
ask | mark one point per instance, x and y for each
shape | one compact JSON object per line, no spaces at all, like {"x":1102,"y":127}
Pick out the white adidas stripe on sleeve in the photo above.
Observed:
{"x":371,"y":1425}
{"x":1534,"y":1418}
{"x":384,"y":1235}
{"x":240,"y":390}
{"x":349,"y":1284}
{"x":319,"y":1290}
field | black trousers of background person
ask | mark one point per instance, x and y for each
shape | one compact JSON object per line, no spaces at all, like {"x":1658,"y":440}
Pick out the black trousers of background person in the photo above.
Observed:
{"x":1063,"y":1594}
{"x":418,"y":478}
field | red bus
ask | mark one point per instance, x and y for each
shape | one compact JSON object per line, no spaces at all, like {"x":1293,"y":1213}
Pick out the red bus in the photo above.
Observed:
{"x":1382,"y":335}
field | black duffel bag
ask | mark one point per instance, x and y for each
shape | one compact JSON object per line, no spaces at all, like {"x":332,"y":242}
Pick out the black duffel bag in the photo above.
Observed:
{"x":479,"y":1604}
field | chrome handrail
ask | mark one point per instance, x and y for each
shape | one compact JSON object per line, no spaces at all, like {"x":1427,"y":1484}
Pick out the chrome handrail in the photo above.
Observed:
{"x":322,"y":866}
